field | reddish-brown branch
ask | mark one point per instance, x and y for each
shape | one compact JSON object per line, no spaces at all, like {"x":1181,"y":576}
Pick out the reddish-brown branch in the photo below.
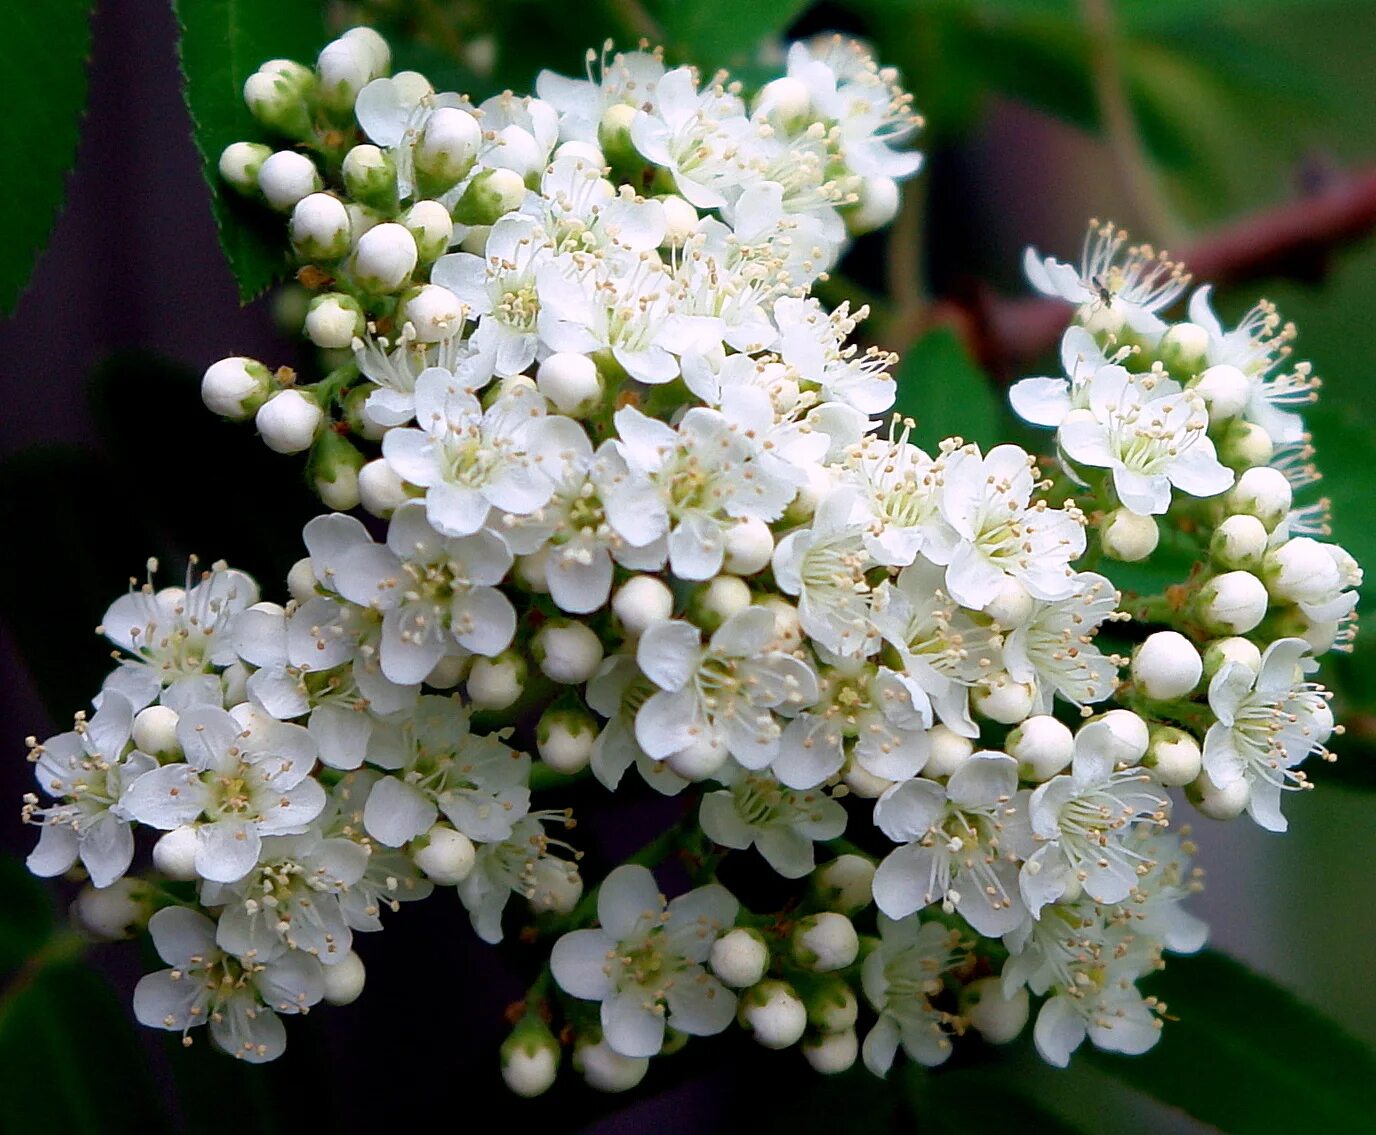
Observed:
{"x":1290,"y":240}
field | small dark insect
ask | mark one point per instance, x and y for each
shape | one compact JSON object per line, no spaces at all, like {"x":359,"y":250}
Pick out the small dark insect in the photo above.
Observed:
{"x":1105,"y":296}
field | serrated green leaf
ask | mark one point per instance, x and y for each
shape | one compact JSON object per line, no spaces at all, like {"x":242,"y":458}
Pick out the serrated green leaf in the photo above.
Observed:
{"x":43,"y":55}
{"x":941,"y":388}
{"x":222,"y":43}
{"x":1248,"y":1056}
{"x":723,"y":33}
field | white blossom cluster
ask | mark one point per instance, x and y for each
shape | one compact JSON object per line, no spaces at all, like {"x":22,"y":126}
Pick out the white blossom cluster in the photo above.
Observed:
{"x":638,"y":504}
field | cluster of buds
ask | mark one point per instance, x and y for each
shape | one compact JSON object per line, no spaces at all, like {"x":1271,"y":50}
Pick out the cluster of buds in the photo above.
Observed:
{"x":642,"y":510}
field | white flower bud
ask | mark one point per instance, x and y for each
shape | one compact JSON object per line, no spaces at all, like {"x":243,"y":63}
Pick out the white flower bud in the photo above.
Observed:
{"x":880,"y":200}
{"x":614,"y":134}
{"x":571,"y":382}
{"x":234,"y":680}
{"x":491,"y":194}
{"x":1232,"y":603}
{"x":1011,"y":606}
{"x":785,"y":103}
{"x":947,"y":751}
{"x":435,"y":312}
{"x":680,"y":220}
{"x":1184,"y":348}
{"x":607,"y":1070}
{"x":642,"y":601}
{"x":155,"y":731}
{"x":447,"y":857}
{"x":530,"y":1058}
{"x":1301,"y":571}
{"x":586,"y":152}
{"x":285,"y":177}
{"x":431,"y":226}
{"x":1225,"y":391}
{"x":1166,"y":665}
{"x":370,"y":176}
{"x":301,"y":580}
{"x":447,"y":147}
{"x":1243,"y":445}
{"x":339,"y":493}
{"x":1262,"y":492}
{"x":379,"y":54}
{"x":289,"y":421}
{"x":825,"y":942}
{"x":1101,"y":319}
{"x":831,"y":1005}
{"x":1123,"y":736}
{"x":240,"y":163}
{"x":748,"y":546}
{"x":739,"y":957}
{"x":385,"y":257}
{"x":474,"y":240}
{"x":532,"y":571}
{"x":717,"y":600}
{"x":699,"y":760}
{"x":1173,"y":756}
{"x":567,"y":652}
{"x":819,"y":483}
{"x":235,"y":387}
{"x":319,"y":227}
{"x":832,"y":1053}
{"x":276,"y":96}
{"x":112,"y":913}
{"x":1225,"y":650}
{"x":344,"y":980}
{"x":998,"y":1019}
{"x":1000,"y":698}
{"x":380,"y":490}
{"x":1126,"y":536}
{"x":346,"y":66}
{"x":564,"y":738}
{"x":788,"y":627}
{"x":518,"y":151}
{"x":175,"y":854}
{"x":862,"y":782}
{"x":1218,"y":803}
{"x":334,"y":320}
{"x":846,"y":883}
{"x":555,"y":886}
{"x":1239,"y":542}
{"x":495,"y":683}
{"x":1042,"y":746}
{"x":774,"y":1013}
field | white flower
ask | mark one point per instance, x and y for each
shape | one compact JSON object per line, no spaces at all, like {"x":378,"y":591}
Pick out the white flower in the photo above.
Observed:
{"x":696,"y":136}
{"x":395,"y":365}
{"x":513,"y":865}
{"x":900,"y":979}
{"x":393,"y":113}
{"x":617,"y":691}
{"x":582,"y":212}
{"x":645,"y":963}
{"x":781,"y":824}
{"x":628,"y":79}
{"x":1150,"y":444}
{"x":727,"y":690}
{"x":961,"y":845}
{"x":1269,"y":720}
{"x":238,"y":998}
{"x":814,"y":343}
{"x":1047,"y":401}
{"x":1055,"y":647}
{"x":903,"y":487}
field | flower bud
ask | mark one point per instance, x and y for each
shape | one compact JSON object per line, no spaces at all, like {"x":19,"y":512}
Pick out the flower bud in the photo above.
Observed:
{"x":1042,"y":746}
{"x":285,"y":177}
{"x":384,"y":258}
{"x":344,"y":980}
{"x":1173,"y":756}
{"x":155,"y":731}
{"x":680,"y":220}
{"x":1126,"y":536}
{"x":289,"y":421}
{"x":785,"y":103}
{"x":863,"y":783}
{"x":825,"y":942}
{"x":449,"y":671}
{"x":998,"y":1019}
{"x":1239,"y":542}
{"x":474,"y":239}
{"x":1122,"y":736}
{"x":1225,"y":650}
{"x":334,"y":471}
{"x":496,"y":683}
{"x":346,"y":66}
{"x":380,"y":490}
{"x":832,"y":1053}
{"x":1184,"y":349}
{"x":717,"y":600}
{"x":614,"y":135}
{"x":642,"y":601}
{"x":947,"y":751}
{"x":532,"y":572}
{"x":530,"y":1057}
{"x":319,"y":227}
{"x":774,"y":1013}
{"x":571,"y":383}
{"x":880,"y":199}
{"x":1301,"y":571}
{"x":333,"y":320}
{"x":490,"y":195}
{"x":1225,"y":391}
{"x":276,"y":96}
{"x":1011,"y":606}
{"x":235,"y":387}
{"x":831,"y":1004}
{"x":175,"y":854}
{"x":447,"y":148}
{"x":701,"y":759}
{"x":1243,"y":445}
{"x":606,"y":1070}
{"x":431,"y":226}
{"x":240,"y":163}
{"x":555,"y":886}
{"x":301,"y":581}
{"x":447,"y":856}
{"x":566,"y":651}
{"x":1232,"y":603}
{"x":234,"y":681}
{"x":564,"y":739}
{"x":1166,"y":665}
{"x":739,"y":957}
{"x":748,"y":546}
{"x":112,"y":913}
{"x":1218,"y":803}
{"x":846,"y":883}
{"x":370,"y":176}
{"x":586,"y":152}
{"x":1000,"y":698}
{"x":435,"y":312}
{"x":1262,"y":492}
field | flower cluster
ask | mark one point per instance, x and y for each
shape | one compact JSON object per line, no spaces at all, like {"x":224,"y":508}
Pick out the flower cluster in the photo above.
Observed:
{"x":637,"y":504}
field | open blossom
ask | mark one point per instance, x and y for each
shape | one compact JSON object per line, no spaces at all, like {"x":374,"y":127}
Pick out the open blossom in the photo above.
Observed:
{"x":755,"y":810}
{"x":645,"y":963}
{"x":1054,"y":647}
{"x":900,"y":978}
{"x":1046,"y":401}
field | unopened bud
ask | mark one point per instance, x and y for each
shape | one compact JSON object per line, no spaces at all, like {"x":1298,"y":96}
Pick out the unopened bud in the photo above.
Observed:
{"x":773,"y":1013}
{"x":447,"y":148}
{"x":1225,"y":391}
{"x":380,"y":490}
{"x":825,"y":942}
{"x":1000,"y":698}
{"x":289,"y":421}
{"x":748,"y":546}
{"x":112,"y":913}
{"x":1301,"y":571}
{"x":1243,"y":445}
{"x":1012,"y":605}
{"x":880,"y":199}
{"x":717,"y":600}
{"x":564,"y":738}
{"x":490,"y":195}
{"x":846,"y":883}
{"x":334,"y":470}
{"x":607,"y":1070}
{"x":571,"y":383}
{"x":345,"y":66}
{"x":496,"y":683}
{"x":832,"y":1053}
{"x":998,"y":1019}
{"x":155,"y":731}
{"x":240,"y":163}
{"x":384,"y":258}
{"x":370,"y":176}
{"x":1264,"y":493}
{"x":614,"y":135}
{"x":235,"y":387}
{"x":530,"y":1057}
{"x":739,"y":957}
{"x":1239,"y":542}
{"x":430,"y":224}
{"x":1042,"y":746}
{"x":1126,"y":536}
{"x":285,"y":177}
{"x":175,"y":854}
{"x":680,"y":220}
{"x":334,"y":320}
{"x":1218,"y":803}
{"x":344,"y":980}
{"x":446,"y":856}
{"x":1173,"y":756}
{"x":435,"y":312}
{"x":703,"y":758}
{"x":319,"y":227}
{"x":1184,"y":349}
{"x":785,"y":103}
{"x":642,"y":601}
{"x":1119,"y":734}
{"x":276,"y":95}
{"x":1166,"y":665}
{"x":566,"y":651}
{"x":1224,"y":650}
{"x":1233,"y":603}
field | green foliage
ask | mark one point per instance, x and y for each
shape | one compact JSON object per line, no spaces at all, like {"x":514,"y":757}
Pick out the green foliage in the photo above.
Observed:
{"x":941,"y":388}
{"x":222,"y":44}
{"x":724,"y":33}
{"x":43,"y":54}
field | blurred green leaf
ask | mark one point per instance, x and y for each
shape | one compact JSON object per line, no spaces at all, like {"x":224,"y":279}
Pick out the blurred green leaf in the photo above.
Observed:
{"x":720,"y":33}
{"x":941,"y":388}
{"x":958,"y":1101}
{"x":43,"y":56}
{"x":222,"y":43}
{"x":28,"y":913}
{"x":1248,"y":1056}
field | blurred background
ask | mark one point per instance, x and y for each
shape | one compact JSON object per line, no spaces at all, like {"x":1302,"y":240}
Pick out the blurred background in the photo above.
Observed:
{"x":1181,"y":119}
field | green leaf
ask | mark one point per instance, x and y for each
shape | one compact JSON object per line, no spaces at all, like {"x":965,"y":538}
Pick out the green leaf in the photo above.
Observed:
{"x":722,"y":33}
{"x":43,"y":56}
{"x":1247,"y":1056}
{"x":941,"y":388}
{"x":28,"y":914}
{"x":222,"y":43}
